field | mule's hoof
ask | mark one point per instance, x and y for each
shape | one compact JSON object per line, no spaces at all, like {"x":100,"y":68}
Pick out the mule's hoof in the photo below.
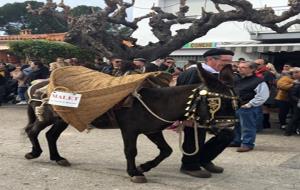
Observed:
{"x":138,"y":179}
{"x":140,"y":169}
{"x":64,"y":163}
{"x":30,"y":156}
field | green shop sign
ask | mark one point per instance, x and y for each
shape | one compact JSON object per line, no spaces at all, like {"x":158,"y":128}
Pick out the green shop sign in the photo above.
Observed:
{"x":201,"y":45}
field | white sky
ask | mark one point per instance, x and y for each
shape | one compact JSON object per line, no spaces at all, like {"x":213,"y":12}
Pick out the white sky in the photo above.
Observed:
{"x":72,"y":3}
{"x":231,"y":31}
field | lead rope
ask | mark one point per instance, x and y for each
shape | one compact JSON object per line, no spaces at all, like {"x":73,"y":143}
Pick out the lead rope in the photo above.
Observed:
{"x":180,"y":129}
{"x":138,"y":96}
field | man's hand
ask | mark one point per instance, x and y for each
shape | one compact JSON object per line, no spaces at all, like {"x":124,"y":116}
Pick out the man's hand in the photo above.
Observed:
{"x":246,"y":106}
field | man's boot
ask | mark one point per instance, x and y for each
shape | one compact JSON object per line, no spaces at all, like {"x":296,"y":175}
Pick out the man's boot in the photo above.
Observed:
{"x":196,"y":173}
{"x":211,"y":167}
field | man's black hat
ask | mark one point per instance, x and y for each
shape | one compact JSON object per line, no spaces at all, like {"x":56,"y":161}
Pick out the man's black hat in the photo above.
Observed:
{"x":217,"y":51}
{"x":139,"y":59}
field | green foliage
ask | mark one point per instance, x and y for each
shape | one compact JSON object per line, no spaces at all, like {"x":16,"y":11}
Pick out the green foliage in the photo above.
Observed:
{"x":83,"y":10}
{"x":14,"y":17}
{"x":11,"y":29}
{"x":48,"y":51}
{"x":41,"y":24}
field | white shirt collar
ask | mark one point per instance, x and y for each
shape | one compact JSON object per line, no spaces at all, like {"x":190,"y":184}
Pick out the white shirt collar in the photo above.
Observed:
{"x":192,"y":66}
{"x":208,"y":68}
{"x":205,"y":67}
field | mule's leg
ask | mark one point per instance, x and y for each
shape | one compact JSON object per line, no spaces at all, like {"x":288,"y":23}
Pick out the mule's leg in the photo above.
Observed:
{"x":52,"y":135}
{"x":130,"y":140}
{"x":162,"y":145}
{"x":33,"y":130}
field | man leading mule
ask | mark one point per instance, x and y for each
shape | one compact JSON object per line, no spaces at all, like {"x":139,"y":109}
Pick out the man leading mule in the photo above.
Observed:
{"x":215,"y":60}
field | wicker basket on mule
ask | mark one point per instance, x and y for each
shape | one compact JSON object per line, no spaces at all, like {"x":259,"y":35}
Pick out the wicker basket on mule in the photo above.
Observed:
{"x":99,"y":92}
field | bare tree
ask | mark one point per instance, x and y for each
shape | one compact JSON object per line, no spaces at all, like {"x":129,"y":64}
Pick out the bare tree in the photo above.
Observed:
{"x":93,"y":31}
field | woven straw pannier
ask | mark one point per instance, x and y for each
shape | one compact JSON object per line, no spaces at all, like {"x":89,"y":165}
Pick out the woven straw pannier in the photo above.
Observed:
{"x":99,"y":91}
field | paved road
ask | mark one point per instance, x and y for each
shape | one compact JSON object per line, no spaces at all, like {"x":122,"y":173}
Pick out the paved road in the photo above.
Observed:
{"x":98,"y":162}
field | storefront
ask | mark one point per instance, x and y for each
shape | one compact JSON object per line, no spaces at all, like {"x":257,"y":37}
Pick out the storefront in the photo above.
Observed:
{"x":276,"y":53}
{"x":191,"y":51}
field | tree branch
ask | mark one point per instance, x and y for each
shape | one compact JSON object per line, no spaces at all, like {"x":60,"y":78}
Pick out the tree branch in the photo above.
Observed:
{"x":265,"y":17}
{"x":93,"y":31}
{"x":183,"y":9}
{"x":219,"y":8}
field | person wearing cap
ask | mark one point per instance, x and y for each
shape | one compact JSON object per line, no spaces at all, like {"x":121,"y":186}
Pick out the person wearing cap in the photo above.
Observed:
{"x":293,"y":125}
{"x":154,"y":65}
{"x":168,"y":65}
{"x":139,"y":65}
{"x":115,"y":68}
{"x":215,"y":60}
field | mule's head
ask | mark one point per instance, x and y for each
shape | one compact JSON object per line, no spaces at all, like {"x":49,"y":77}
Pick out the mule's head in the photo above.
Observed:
{"x":214,"y":102}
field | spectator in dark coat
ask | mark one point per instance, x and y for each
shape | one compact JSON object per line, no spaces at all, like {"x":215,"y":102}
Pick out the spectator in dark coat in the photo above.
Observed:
{"x":2,"y":82}
{"x":293,"y":125}
{"x":6,"y":82}
{"x":39,"y":71}
{"x":264,"y":73}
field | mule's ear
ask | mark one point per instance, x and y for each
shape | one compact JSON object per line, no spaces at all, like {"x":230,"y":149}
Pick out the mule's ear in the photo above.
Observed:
{"x":226,"y":75}
{"x":206,"y":76}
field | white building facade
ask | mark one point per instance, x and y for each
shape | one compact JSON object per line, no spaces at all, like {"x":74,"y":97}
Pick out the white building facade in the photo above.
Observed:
{"x":245,"y":39}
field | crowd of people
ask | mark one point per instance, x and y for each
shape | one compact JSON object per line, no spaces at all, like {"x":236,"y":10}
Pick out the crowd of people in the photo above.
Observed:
{"x":283,"y":86}
{"x":16,"y":78}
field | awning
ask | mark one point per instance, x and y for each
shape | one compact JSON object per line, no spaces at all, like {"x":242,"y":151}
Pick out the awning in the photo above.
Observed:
{"x":260,"y":47}
{"x":189,"y":52}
